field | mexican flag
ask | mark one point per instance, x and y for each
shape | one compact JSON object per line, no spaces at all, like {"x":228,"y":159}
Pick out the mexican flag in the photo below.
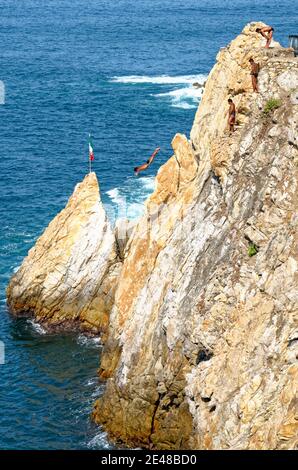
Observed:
{"x":91,"y":153}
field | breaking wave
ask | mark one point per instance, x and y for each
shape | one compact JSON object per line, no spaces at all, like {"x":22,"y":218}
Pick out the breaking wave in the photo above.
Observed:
{"x":186,"y":97}
{"x":37,"y":327}
{"x":84,"y":340}
{"x":160,"y":80}
{"x":128,"y":201}
{"x":99,"y":441}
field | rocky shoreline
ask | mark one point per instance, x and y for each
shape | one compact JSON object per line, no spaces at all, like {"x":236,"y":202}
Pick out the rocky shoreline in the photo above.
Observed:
{"x":200,"y":331}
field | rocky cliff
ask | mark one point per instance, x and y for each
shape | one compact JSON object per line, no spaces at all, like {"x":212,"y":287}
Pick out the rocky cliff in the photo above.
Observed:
{"x":203,"y":341}
{"x":68,"y":278}
{"x":201,"y":294}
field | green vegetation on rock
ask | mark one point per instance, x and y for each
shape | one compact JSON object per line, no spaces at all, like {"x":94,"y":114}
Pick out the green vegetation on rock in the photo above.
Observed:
{"x":271,"y":105}
{"x":252,"y":249}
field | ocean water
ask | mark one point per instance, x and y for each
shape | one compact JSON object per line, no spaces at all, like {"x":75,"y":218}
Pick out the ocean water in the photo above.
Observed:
{"x":122,"y":70}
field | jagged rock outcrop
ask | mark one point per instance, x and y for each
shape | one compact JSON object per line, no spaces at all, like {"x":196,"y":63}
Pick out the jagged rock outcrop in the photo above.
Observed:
{"x":203,"y":339}
{"x":69,"y":277}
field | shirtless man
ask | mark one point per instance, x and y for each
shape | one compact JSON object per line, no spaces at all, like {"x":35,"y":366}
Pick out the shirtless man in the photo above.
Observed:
{"x":231,"y":115}
{"x":143,"y":167}
{"x":255,"y":68}
{"x":267,"y":33}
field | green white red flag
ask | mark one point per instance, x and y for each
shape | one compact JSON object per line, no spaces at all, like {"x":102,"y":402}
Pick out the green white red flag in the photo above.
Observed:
{"x":91,"y":152}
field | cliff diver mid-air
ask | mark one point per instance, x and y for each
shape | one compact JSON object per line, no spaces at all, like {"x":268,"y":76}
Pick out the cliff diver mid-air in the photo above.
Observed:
{"x":143,"y":167}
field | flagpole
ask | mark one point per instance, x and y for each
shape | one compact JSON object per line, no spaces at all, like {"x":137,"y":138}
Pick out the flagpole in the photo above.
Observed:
{"x":89,"y":155}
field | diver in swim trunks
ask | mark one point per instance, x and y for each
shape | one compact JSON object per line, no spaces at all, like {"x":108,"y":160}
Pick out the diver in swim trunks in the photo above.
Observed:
{"x":255,"y":68}
{"x":143,"y":167}
{"x":267,"y":33}
{"x":231,"y":115}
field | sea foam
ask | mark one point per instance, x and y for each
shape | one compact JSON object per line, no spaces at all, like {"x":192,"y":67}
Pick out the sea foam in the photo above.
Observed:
{"x":99,"y":441}
{"x":115,"y":196}
{"x":161,"y":80}
{"x":84,"y":340}
{"x":37,"y":327}
{"x":128,"y":201}
{"x":186,"y":97}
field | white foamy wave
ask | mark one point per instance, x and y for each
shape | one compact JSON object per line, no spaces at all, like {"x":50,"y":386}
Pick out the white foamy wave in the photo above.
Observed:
{"x":37,"y":327}
{"x":84,"y":340}
{"x":135,"y":210}
{"x":100,"y":441}
{"x":97,"y":392}
{"x":114,"y":195}
{"x":92,"y":382}
{"x":128,"y":201}
{"x":148,"y":182}
{"x":185,"y":98}
{"x":184,"y":106}
{"x":124,"y":208}
{"x":161,"y":80}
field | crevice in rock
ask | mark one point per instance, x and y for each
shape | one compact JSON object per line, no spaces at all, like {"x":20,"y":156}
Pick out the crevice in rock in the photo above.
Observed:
{"x":217,"y":180}
{"x":292,"y":341}
{"x":206,"y":399}
{"x":118,"y":250}
{"x":204,"y":355}
{"x":179,"y":171}
{"x":156,"y":406}
{"x":215,"y":177}
{"x":293,"y":144}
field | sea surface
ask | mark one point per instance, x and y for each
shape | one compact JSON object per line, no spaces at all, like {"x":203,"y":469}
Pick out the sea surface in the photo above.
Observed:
{"x":122,"y":70}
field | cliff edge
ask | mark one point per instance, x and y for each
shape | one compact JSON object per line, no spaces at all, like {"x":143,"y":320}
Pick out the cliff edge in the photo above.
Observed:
{"x":202,"y":348}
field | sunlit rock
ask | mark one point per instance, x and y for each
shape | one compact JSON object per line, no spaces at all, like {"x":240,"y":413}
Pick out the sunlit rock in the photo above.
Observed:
{"x":69,"y":277}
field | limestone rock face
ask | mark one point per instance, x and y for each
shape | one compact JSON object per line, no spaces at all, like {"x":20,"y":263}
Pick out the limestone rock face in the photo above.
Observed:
{"x":69,"y":277}
{"x":203,"y":339}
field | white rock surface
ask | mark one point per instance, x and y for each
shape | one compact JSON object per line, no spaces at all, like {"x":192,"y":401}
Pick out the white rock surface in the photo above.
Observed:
{"x":69,"y":277}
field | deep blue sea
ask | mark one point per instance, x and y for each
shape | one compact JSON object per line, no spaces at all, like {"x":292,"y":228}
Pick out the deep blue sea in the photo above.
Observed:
{"x":122,"y":70}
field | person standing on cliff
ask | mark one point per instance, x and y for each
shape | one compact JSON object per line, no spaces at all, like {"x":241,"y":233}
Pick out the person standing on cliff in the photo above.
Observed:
{"x":231,"y":115}
{"x":267,"y":33}
{"x":143,"y":167}
{"x":255,"y":69}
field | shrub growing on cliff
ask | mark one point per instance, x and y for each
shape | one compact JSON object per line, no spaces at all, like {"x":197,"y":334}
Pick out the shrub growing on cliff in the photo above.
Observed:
{"x":271,"y":105}
{"x":252,"y":249}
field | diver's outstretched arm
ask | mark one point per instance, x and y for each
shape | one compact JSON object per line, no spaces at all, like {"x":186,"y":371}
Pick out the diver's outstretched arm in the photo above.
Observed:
{"x":153,"y":155}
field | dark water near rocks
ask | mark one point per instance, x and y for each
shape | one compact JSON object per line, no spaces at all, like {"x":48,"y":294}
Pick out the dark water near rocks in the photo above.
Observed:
{"x":124,"y":71}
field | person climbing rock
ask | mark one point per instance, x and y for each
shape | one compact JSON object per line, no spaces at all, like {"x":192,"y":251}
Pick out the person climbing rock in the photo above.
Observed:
{"x":255,"y":69}
{"x":143,"y":167}
{"x":231,"y":115}
{"x":267,"y":33}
